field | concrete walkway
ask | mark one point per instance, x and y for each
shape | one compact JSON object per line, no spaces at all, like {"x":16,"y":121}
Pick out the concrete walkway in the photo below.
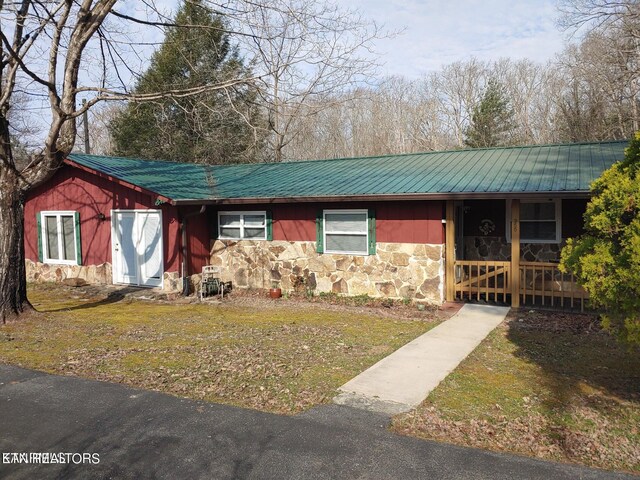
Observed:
{"x":405,"y":378}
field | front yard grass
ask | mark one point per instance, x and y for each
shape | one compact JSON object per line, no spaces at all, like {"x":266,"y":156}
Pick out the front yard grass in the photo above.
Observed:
{"x":274,"y":356}
{"x":543,"y":384}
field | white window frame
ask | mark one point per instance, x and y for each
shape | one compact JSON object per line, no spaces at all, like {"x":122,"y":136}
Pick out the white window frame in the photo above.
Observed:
{"x":242,"y":215}
{"x":366,"y":231}
{"x":45,"y":239}
{"x":558,"y":221}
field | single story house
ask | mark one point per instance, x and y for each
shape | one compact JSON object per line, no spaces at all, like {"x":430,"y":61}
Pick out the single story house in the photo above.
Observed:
{"x":481,"y":223}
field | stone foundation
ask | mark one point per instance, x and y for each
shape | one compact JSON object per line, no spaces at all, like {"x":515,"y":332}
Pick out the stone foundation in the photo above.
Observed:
{"x":497,"y":248}
{"x":91,"y":274}
{"x":172,"y":282}
{"x":398,"y":271}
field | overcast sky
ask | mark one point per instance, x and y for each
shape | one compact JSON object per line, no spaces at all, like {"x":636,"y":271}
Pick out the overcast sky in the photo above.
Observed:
{"x":438,"y":32}
{"x":434,"y":33}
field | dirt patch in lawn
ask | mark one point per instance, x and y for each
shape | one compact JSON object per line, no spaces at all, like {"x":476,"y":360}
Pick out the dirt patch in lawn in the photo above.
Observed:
{"x":364,"y":304}
{"x":259,"y":298}
{"x":275,"y":356}
{"x":545,"y":384}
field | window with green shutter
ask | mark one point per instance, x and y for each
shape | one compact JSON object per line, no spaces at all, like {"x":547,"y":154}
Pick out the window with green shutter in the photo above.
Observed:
{"x":59,"y":238}
{"x":348,"y":231}
{"x":269,"y":220}
{"x":371,"y":225}
{"x":39,"y":227}
{"x":320,"y":231}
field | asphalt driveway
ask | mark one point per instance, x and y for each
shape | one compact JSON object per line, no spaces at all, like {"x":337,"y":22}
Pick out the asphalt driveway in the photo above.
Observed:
{"x":140,"y":434}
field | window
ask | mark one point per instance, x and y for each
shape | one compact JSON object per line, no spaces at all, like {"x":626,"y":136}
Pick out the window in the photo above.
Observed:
{"x":540,"y":222}
{"x":242,"y":225}
{"x":346,"y":231}
{"x":60,"y":237}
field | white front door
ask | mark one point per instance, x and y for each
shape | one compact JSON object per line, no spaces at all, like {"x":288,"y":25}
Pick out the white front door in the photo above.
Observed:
{"x":136,"y":237}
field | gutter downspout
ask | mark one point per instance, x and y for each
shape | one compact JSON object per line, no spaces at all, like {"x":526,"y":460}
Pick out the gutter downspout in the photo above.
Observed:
{"x":183,"y":233}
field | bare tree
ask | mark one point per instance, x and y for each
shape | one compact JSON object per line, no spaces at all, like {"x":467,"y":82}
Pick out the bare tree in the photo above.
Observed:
{"x":396,"y":116}
{"x":531,"y":88}
{"x":604,"y":68}
{"x":23,"y":132}
{"x":403,"y":116}
{"x":58,"y":52}
{"x":99,"y":119}
{"x":592,"y":15}
{"x":305,"y":53}
{"x":602,"y":86}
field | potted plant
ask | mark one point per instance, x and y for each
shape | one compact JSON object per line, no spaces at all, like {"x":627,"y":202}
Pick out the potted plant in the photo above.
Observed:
{"x":275,"y":291}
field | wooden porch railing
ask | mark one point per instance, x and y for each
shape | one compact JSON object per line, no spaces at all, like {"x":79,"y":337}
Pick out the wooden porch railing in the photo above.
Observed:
{"x":544,"y":284}
{"x":489,"y":280}
{"x":541,"y":283}
{"x":514,"y":282}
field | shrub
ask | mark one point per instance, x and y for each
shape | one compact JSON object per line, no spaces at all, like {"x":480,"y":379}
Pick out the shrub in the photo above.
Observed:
{"x":606,"y":259}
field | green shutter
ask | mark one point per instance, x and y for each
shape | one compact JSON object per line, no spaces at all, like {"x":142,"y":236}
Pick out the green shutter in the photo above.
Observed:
{"x":319,"y":232}
{"x":76,"y":217}
{"x":214,"y":225}
{"x":269,"y":219}
{"x":371,"y":224}
{"x":39,"y":227}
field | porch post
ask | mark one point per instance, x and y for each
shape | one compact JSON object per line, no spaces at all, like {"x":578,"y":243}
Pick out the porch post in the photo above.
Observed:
{"x":450,"y":252}
{"x":515,"y":253}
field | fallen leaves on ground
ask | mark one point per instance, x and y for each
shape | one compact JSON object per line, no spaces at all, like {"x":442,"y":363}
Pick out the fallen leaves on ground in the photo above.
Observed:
{"x":248,"y":351}
{"x":546,"y":384}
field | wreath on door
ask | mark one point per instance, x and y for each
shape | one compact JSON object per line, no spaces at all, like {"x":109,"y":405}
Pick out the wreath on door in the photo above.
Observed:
{"x":487,"y":226}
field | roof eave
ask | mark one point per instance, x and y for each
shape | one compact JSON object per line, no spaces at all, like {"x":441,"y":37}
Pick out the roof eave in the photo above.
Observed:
{"x":385,"y":197}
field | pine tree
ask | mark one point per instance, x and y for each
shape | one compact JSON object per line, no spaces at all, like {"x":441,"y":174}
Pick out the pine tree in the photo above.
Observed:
{"x":491,"y":120}
{"x":206,"y":128}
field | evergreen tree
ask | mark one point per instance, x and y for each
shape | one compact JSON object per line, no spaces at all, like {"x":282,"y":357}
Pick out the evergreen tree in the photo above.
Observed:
{"x":606,"y":259}
{"x":491,"y":120}
{"x":213,"y":127}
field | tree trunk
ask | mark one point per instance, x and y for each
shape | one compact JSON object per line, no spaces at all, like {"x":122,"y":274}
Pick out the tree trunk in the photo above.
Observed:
{"x":13,"y":275}
{"x":277,"y":151}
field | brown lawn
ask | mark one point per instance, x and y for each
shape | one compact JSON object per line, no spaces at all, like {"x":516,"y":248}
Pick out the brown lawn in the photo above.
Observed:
{"x":279,"y":356}
{"x":544,"y":384}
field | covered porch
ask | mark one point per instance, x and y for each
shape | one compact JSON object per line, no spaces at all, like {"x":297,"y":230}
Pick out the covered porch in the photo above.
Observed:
{"x":507,"y":251}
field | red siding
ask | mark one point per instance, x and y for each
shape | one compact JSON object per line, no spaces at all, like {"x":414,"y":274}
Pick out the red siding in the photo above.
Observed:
{"x":294,"y":222}
{"x":90,"y":195}
{"x":409,"y":222}
{"x":197,"y":239}
{"x":396,"y":222}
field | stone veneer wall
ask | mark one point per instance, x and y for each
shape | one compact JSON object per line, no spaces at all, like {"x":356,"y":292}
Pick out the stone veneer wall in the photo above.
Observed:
{"x":92,"y":274}
{"x":397,"y":270}
{"x":172,"y":282}
{"x":497,"y":248}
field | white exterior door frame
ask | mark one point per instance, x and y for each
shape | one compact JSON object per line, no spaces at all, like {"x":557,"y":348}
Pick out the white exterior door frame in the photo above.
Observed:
{"x":137,"y":250}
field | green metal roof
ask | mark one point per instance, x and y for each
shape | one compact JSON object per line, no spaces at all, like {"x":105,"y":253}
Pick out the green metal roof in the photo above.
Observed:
{"x":174,"y":180}
{"x":473,"y":173}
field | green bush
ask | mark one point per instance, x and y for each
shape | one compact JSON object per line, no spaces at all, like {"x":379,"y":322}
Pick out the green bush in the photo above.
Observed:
{"x":606,"y":259}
